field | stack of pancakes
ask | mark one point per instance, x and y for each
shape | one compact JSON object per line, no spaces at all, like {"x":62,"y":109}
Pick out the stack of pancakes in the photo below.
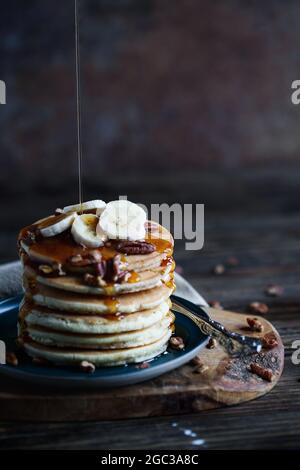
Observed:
{"x":67,"y":318}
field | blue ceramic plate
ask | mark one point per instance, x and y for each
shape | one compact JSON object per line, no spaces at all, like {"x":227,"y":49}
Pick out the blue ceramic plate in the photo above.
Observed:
{"x":103,"y":377}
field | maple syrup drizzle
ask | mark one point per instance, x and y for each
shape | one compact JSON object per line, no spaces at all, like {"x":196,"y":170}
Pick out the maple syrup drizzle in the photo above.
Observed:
{"x":168,"y":263}
{"x":28,"y":305}
{"x":25,"y":309}
{"x":112,"y":304}
{"x":134,"y":277}
{"x":110,"y":289}
{"x":62,"y":247}
{"x":161,"y":244}
{"x":170,"y":283}
{"x":58,"y":248}
{"x":78,"y":103}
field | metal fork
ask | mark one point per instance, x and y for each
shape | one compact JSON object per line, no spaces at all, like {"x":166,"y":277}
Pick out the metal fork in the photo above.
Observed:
{"x":234,"y":343}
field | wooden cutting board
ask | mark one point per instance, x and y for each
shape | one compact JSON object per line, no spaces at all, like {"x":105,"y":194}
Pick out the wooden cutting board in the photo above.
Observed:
{"x":225,"y":381}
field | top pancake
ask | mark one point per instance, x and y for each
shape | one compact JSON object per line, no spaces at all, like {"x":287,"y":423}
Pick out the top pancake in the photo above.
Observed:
{"x":61,"y":248}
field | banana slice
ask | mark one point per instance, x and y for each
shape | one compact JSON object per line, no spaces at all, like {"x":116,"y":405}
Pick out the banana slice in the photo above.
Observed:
{"x":55,"y":224}
{"x":97,"y":205}
{"x":123,"y":220}
{"x":84,"y":231}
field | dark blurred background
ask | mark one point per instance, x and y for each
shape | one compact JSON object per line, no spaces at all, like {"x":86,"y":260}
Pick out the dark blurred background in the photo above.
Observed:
{"x":183,"y":101}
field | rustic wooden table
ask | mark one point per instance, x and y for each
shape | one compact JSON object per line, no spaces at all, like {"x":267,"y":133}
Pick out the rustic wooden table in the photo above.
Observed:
{"x":268,"y":250}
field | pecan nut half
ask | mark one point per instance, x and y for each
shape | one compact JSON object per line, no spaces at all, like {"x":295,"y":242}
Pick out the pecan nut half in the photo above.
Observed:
{"x":107,"y":271}
{"x":258,"y":308}
{"x":255,"y":324}
{"x":262,"y":372}
{"x":212,"y":343}
{"x":269,"y":341}
{"x":93,"y":281}
{"x":82,"y":260}
{"x":134,"y":247}
{"x":200,"y":369}
{"x":45,"y":269}
{"x":30,"y":235}
{"x":176,"y":342}
{"x":143,"y":365}
{"x":12,"y":359}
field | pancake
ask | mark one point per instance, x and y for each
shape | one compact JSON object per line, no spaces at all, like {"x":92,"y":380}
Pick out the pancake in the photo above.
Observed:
{"x":61,"y":248}
{"x":128,"y":339}
{"x":103,"y":358}
{"x":142,"y":281}
{"x":106,"y":324}
{"x":126,"y":303}
{"x":136,"y":263}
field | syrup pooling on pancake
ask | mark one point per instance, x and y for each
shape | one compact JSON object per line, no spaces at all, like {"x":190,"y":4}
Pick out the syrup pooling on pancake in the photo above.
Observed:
{"x":70,"y":275}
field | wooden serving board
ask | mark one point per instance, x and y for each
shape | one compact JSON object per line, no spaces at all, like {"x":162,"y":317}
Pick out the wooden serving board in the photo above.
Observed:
{"x":226,"y":381}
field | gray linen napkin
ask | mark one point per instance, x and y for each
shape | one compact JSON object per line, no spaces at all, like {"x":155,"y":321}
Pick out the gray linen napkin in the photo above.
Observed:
{"x":11,"y":284}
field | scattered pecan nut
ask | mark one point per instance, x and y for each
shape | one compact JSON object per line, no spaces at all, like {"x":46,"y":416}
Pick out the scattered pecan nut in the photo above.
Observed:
{"x":134,"y":247}
{"x":269,"y":341}
{"x":265,"y":374}
{"x":87,"y":367}
{"x":200,"y":369}
{"x":94,"y":281}
{"x":219,"y":269}
{"x":55,"y":269}
{"x":123,"y":276}
{"x":255,"y":324}
{"x":114,"y":267}
{"x":82,"y":260}
{"x":107,"y":271}
{"x":212,"y":343}
{"x":114,"y":270}
{"x":11,"y":359}
{"x":196,"y":361}
{"x":176,"y":342}
{"x":274,"y":290}
{"x":258,"y":307}
{"x":143,"y":365}
{"x":216,"y":304}
{"x":100,"y":268}
{"x":30,"y":236}
{"x":46,"y":269}
{"x":232,"y":261}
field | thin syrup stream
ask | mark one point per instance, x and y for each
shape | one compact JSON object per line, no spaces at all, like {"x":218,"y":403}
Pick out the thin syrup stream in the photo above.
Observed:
{"x":78,"y":101}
